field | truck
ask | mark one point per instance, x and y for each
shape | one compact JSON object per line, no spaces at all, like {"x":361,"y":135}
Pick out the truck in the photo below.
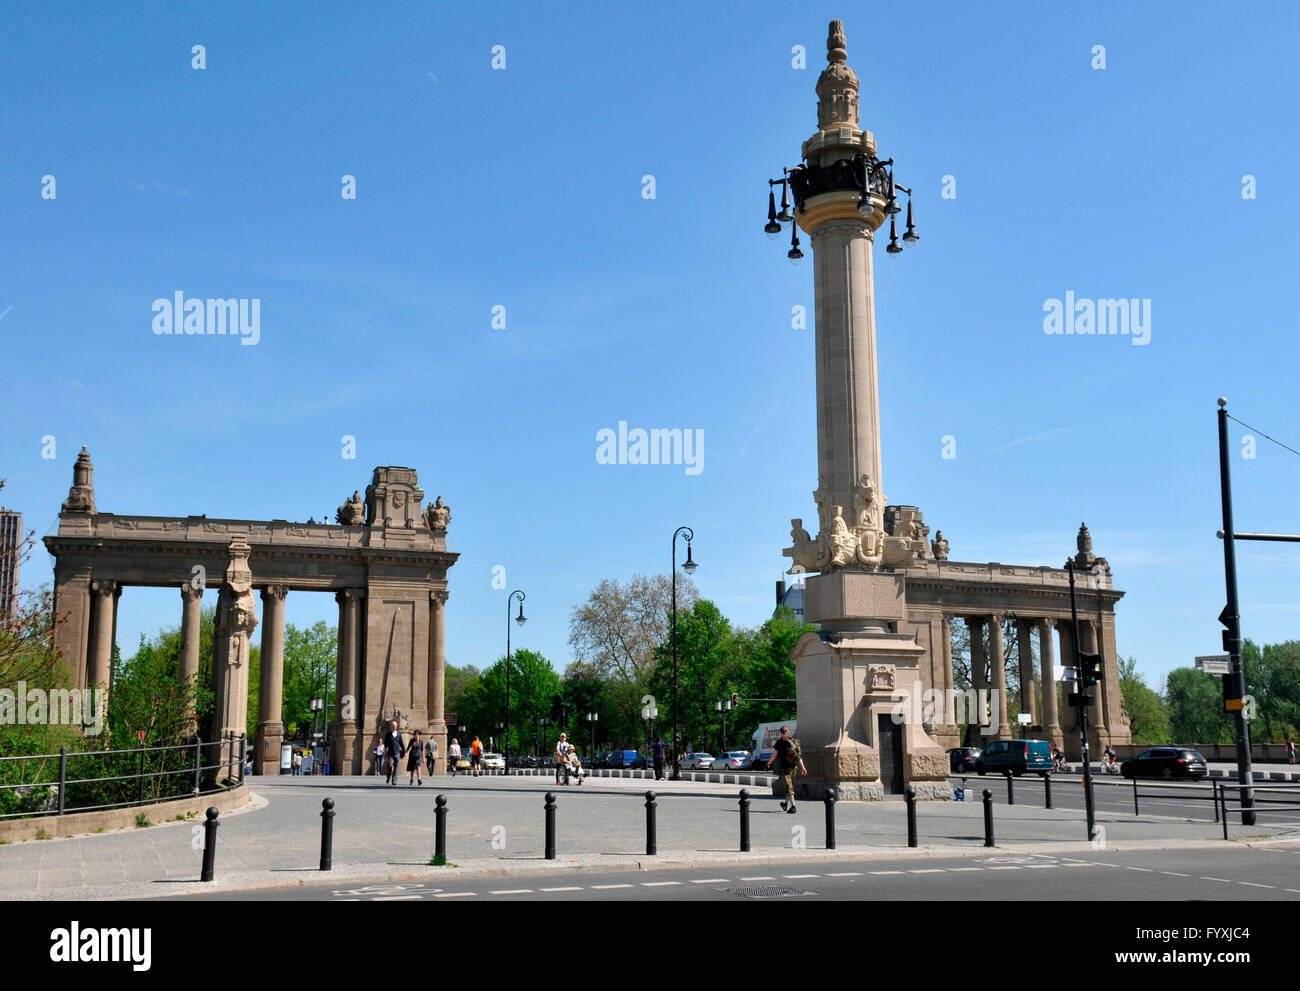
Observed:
{"x":764,"y":737}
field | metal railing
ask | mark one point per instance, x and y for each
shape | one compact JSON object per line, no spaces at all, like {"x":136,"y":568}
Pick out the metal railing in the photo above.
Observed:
{"x":37,"y":798}
{"x":1264,"y":799}
{"x":1197,"y":789}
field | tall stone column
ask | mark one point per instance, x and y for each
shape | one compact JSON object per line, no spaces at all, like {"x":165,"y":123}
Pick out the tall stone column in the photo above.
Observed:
{"x":945,"y":686}
{"x":1028,"y":688}
{"x":191,"y":636}
{"x":103,"y":599}
{"x":1069,"y":713}
{"x":977,"y":713}
{"x":1099,"y":715}
{"x":1047,"y":658}
{"x":270,"y":718}
{"x":438,"y":674}
{"x":236,"y":620}
{"x":998,"y":664}
{"x":345,"y":753}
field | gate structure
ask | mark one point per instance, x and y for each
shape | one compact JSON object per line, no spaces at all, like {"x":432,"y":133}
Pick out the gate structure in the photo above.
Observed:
{"x":385,"y":559}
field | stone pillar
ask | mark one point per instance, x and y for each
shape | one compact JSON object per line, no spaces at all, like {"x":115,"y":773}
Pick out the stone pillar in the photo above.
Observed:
{"x":437,"y":675}
{"x":117,"y":598}
{"x":1119,"y":727}
{"x":1069,"y":713}
{"x":998,"y":664}
{"x":1047,"y":658}
{"x":236,"y":620}
{"x":1099,"y":715}
{"x":945,"y":686}
{"x":74,"y":607}
{"x":344,"y":745}
{"x":191,"y":637}
{"x":103,"y":599}
{"x":270,"y":709}
{"x":1028,"y":687}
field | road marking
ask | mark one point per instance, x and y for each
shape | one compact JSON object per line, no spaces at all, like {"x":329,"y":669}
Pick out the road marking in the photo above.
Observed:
{"x":1175,"y":874}
{"x":457,"y":894}
{"x":659,"y":884}
{"x":396,"y":898}
{"x":562,"y":889}
{"x":512,"y":891}
{"x":1294,"y":891}
{"x":795,"y":877}
{"x":1077,"y":863}
{"x":846,"y":874}
{"x":928,"y":870}
{"x":1041,"y":867}
{"x":763,"y":878}
{"x":723,"y":880}
{"x":1252,"y":884}
{"x":1223,"y":879}
{"x":1146,"y":870}
{"x":886,"y":872}
{"x":1004,"y":868}
{"x":608,"y":887}
{"x":955,"y":869}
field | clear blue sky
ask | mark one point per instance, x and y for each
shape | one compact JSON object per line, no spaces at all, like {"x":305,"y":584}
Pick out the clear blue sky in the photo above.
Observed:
{"x":522,"y":188}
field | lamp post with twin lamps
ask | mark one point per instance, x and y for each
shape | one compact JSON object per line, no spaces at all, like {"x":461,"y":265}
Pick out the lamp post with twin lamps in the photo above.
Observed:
{"x":689,"y":567}
{"x":521,"y":620}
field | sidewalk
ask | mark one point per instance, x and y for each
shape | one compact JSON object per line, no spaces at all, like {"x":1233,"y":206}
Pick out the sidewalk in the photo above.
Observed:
{"x":495,"y":826}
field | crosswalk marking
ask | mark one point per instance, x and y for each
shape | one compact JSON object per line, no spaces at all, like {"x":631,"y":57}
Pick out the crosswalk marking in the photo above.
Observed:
{"x":761,"y":878}
{"x":928,"y":870}
{"x":795,"y":877}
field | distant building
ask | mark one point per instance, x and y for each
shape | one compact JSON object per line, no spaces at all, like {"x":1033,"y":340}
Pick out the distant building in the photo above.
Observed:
{"x":791,"y":597}
{"x":11,"y":548}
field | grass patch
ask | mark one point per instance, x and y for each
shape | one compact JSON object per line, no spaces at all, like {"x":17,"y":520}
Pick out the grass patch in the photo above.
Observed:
{"x":441,"y":862}
{"x":142,"y":820}
{"x":100,"y":829}
{"x":190,"y":814}
{"x":42,"y":835}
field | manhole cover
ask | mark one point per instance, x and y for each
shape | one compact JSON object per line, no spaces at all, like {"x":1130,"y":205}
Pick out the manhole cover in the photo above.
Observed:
{"x":768,"y":891}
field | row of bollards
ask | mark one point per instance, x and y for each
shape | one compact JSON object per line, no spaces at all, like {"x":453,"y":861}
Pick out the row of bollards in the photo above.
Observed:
{"x":651,"y":832}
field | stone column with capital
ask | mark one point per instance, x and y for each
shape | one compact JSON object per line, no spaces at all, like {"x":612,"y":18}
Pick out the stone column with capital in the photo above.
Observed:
{"x":236,"y":620}
{"x":270,"y":719}
{"x":345,"y":745}
{"x":191,"y":635}
{"x":1099,"y":715}
{"x":1028,"y":684}
{"x":846,"y":677}
{"x":103,"y":602}
{"x":1047,"y":658}
{"x":438,"y":675}
{"x":998,"y":669}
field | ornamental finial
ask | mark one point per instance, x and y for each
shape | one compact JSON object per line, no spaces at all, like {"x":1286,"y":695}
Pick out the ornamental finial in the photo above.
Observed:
{"x":835,"y":44}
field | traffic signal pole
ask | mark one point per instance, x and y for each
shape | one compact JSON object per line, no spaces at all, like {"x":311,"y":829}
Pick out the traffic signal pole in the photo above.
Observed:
{"x":1082,"y":699}
{"x":1231,"y":618}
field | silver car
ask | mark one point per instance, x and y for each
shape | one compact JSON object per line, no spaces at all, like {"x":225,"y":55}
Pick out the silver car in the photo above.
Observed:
{"x":732,"y":760}
{"x":697,"y":762}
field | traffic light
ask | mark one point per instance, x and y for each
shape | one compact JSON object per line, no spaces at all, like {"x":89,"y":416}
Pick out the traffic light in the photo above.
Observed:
{"x":1089,"y":668}
{"x":735,"y":698}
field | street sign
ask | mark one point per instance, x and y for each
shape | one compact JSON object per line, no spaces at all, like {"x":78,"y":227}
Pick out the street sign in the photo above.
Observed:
{"x":1066,"y":674}
{"x":1215,"y":664}
{"x":449,"y":718}
{"x":139,"y":735}
{"x":1234,"y":705}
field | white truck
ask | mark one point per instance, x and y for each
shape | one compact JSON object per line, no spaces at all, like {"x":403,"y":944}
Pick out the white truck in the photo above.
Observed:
{"x":764,"y":737}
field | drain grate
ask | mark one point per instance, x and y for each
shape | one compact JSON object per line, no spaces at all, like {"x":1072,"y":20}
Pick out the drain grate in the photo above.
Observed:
{"x":768,"y":891}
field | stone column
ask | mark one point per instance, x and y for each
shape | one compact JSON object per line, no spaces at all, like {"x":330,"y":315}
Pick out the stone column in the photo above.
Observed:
{"x":1069,"y":714}
{"x":344,"y":745}
{"x":103,"y":600}
{"x":437,"y":674}
{"x":117,"y":597}
{"x":236,"y":620}
{"x":977,"y":713}
{"x":270,"y":698}
{"x":946,"y":685}
{"x":1028,"y":688}
{"x":1099,"y":715}
{"x":998,"y":664}
{"x":191,"y":636}
{"x":1047,"y":658}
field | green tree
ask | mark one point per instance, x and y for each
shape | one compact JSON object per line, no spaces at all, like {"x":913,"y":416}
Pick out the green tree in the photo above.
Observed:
{"x":310,"y":659}
{"x":1148,"y":716}
{"x":533,"y":686}
{"x":1195,"y":702}
{"x":708,"y":658}
{"x":768,"y":673}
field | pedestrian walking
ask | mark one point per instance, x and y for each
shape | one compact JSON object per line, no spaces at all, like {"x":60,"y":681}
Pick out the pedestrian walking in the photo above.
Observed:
{"x":788,"y":759}
{"x":297,"y":763}
{"x":453,"y":756}
{"x":415,"y":759}
{"x":1290,"y":750}
{"x":394,"y":749}
{"x":432,"y":748}
{"x":476,"y":756}
{"x":379,"y":759}
{"x":562,"y":748}
{"x":657,"y":749}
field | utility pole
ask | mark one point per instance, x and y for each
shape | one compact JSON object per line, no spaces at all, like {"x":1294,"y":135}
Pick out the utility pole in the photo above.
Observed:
{"x":1086,"y":670}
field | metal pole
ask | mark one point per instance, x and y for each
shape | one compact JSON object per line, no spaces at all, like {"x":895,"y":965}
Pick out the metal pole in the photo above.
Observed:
{"x":1080,"y":690}
{"x":1011,"y":788}
{"x":651,"y":837}
{"x":988,"y":817}
{"x":509,"y":602}
{"x":744,"y":820}
{"x":440,"y":830}
{"x":1135,"y":794}
{"x":909,"y":797}
{"x":198,"y":763}
{"x":1231,"y":618}
{"x":1047,"y":786}
{"x":209,"y":844}
{"x":677,"y":767}
{"x":230,"y":760}
{"x":830,"y":818}
{"x":63,"y":777}
{"x":327,"y":834}
{"x":550,"y":825}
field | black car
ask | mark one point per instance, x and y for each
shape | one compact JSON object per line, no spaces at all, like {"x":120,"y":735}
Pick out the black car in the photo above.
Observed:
{"x":962,"y":759}
{"x":1166,"y":762}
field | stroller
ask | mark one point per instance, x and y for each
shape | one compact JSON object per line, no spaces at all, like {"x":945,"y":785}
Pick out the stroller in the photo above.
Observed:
{"x":574,"y":769}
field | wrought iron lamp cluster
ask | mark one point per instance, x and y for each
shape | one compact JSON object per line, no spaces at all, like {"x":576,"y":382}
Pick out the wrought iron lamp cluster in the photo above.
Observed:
{"x":870,"y":176}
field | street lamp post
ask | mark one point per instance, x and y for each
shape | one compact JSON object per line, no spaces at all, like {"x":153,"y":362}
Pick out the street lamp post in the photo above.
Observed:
{"x":592,"y":719}
{"x":722,"y":707}
{"x":545,"y":723}
{"x":689,"y":567}
{"x":520,"y":619}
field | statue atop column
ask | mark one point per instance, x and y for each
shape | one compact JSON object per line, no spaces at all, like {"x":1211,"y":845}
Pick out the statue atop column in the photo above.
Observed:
{"x":352,"y":512}
{"x":1086,"y":560}
{"x":939,"y":546}
{"x":81,"y":497}
{"x":438,"y":516}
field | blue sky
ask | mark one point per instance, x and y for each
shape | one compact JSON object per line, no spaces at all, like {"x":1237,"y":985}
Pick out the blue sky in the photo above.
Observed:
{"x":522,"y":187}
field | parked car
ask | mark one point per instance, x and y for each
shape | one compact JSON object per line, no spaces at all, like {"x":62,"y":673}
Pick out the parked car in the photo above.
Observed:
{"x":494,"y":762}
{"x":1166,"y":762}
{"x":463,"y":765}
{"x":962,"y":759}
{"x":622,"y":758}
{"x":732,"y":760}
{"x":602,"y":758}
{"x":697,"y":762}
{"x":1016,"y":756}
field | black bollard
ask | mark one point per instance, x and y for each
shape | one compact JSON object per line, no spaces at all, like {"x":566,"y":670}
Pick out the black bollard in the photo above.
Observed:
{"x":550,"y":825}
{"x":744,"y":820}
{"x":1011,"y":788}
{"x":327,"y":834}
{"x":830,"y":818}
{"x":988,"y":817}
{"x":910,"y":798}
{"x":209,"y":844}
{"x":440,"y":829}
{"x":1047,"y":790}
{"x":651,"y":838}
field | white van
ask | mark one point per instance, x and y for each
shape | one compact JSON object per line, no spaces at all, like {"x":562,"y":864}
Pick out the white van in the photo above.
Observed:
{"x":763,"y":739}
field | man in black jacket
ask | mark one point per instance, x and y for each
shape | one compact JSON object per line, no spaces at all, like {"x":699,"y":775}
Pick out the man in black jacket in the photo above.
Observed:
{"x":393,"y":750}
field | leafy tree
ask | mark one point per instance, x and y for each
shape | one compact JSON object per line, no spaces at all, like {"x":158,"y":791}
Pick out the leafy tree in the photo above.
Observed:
{"x":310,"y":660}
{"x":768,"y":673}
{"x":533,"y":687}
{"x":1148,"y":716}
{"x":619,"y":627}
{"x":708,"y":657}
{"x":1195,"y":701}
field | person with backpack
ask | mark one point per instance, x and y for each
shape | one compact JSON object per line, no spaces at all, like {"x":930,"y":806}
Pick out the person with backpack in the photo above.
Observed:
{"x":476,"y":756}
{"x":787,"y":757}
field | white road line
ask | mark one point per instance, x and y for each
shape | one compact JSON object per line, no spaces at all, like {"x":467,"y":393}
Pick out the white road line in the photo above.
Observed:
{"x":716,"y":880}
{"x":396,"y":898}
{"x":1004,"y":868}
{"x":659,"y":884}
{"x":1175,"y":874}
{"x":608,"y":887}
{"x":796,"y":877}
{"x":886,"y":872}
{"x":1077,"y":863}
{"x":512,"y":891}
{"x":457,"y":894}
{"x":846,"y":874}
{"x":955,"y":869}
{"x":1294,"y":891}
{"x":1041,"y":867}
{"x":1145,"y":870}
{"x":1252,"y":884}
{"x":562,"y":889}
{"x":928,"y":870}
{"x":764,"y":878}
{"x":1223,"y":879}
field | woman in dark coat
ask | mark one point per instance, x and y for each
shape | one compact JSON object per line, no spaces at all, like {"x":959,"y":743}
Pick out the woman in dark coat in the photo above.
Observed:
{"x":415,"y":758}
